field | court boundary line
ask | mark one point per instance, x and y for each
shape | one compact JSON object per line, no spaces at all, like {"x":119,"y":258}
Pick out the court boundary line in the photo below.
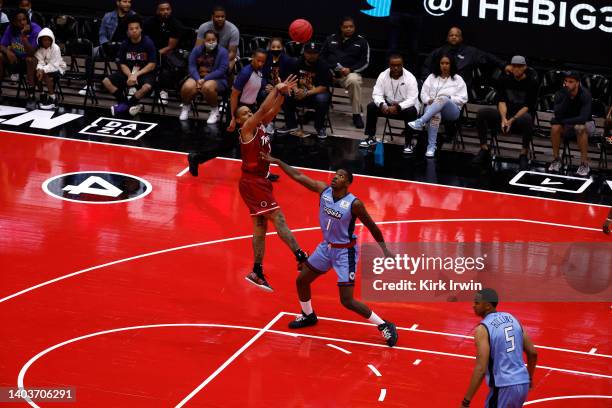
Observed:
{"x":260,"y":332}
{"x":311,"y":169}
{"x":567,"y":397}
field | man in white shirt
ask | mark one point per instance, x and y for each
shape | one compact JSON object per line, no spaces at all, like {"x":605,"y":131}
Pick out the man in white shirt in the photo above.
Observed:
{"x":395,"y":96}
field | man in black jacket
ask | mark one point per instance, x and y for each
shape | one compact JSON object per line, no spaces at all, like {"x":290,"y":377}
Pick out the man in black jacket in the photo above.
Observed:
{"x":572,"y":119}
{"x":467,"y":57}
{"x":348,"y":54}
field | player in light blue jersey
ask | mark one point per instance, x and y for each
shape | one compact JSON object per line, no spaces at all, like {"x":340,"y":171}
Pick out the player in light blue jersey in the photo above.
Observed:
{"x":338,"y":211}
{"x":500,"y":344}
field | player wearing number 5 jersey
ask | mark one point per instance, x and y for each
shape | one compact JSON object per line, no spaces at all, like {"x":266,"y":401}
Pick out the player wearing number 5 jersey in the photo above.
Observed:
{"x":500,"y":343}
{"x":338,"y":211}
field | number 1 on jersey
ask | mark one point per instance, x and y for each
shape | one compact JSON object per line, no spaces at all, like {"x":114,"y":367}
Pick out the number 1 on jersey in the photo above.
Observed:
{"x":328,"y":224}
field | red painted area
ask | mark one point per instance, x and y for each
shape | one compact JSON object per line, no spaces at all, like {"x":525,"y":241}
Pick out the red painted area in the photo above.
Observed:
{"x":43,"y":238}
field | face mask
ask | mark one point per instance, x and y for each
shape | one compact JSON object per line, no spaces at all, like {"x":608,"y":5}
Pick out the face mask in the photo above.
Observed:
{"x":275,"y":53}
{"x":211,"y":46}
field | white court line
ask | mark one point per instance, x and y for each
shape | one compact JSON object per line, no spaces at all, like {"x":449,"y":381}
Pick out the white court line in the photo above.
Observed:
{"x":593,"y":351}
{"x":564,"y":350}
{"x":31,"y":288}
{"x":229,"y":360}
{"x":374,"y":370}
{"x":416,"y":362}
{"x":567,"y":397}
{"x":32,"y":360}
{"x":182,"y":172}
{"x":383,"y":394}
{"x":338,"y":348}
{"x":316,"y":170}
{"x":414,"y":326}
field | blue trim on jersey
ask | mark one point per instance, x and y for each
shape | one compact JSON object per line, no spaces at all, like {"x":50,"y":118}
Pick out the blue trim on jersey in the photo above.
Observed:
{"x":351,"y":259}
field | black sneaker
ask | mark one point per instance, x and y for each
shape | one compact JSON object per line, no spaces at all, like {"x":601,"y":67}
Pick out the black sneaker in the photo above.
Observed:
{"x":193,"y":164}
{"x":286,"y":129}
{"x":304,"y":320}
{"x":368,"y":142}
{"x":389,"y":332}
{"x":483,"y":157}
{"x":358,"y":121}
{"x":523,"y":162}
{"x":47,"y":102}
{"x":259,"y":280}
{"x":273,"y":177}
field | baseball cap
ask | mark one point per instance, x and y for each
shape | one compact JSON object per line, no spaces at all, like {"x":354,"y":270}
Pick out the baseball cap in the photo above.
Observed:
{"x":518,"y":60}
{"x":572,"y":74}
{"x":312,"y":47}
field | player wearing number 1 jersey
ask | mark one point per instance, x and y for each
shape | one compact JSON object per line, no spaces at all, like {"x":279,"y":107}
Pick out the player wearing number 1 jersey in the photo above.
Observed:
{"x":500,"y":343}
{"x":339,"y":210}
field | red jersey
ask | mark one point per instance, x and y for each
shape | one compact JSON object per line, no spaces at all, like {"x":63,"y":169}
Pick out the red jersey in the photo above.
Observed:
{"x":251,"y":160}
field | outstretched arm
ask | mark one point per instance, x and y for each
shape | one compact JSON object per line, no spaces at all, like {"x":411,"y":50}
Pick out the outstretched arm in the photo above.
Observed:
{"x":361,"y":213}
{"x":313,"y":185}
{"x":482,"y":360}
{"x":532,"y":356}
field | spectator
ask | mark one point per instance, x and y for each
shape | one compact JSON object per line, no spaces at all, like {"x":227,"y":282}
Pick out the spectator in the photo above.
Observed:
{"x":467,"y":57}
{"x":207,"y":75}
{"x":165,"y":31}
{"x":34,"y":17}
{"x":517,"y":95}
{"x":313,"y":90}
{"x":137,"y":59}
{"x":278,"y":66}
{"x":50,"y":67}
{"x":444,"y":93}
{"x":229,"y":36}
{"x":247,"y":85}
{"x":17,"y":49}
{"x":572,"y":118}
{"x":395,"y":95}
{"x":3,"y":18}
{"x":348,"y":54}
{"x":113,"y":28}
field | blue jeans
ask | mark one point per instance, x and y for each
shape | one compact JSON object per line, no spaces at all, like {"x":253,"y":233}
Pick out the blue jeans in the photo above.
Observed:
{"x":447,"y":110}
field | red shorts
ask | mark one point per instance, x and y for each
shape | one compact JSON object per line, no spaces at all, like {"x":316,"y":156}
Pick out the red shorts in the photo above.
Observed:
{"x":256,"y":192}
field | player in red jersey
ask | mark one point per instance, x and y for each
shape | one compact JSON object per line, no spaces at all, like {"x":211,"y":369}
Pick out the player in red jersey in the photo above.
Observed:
{"x":255,"y":188}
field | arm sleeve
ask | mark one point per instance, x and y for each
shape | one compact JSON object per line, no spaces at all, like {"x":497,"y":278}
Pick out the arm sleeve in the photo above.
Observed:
{"x":193,"y":62}
{"x":103,"y":34}
{"x":425,"y":90}
{"x":6,"y":38}
{"x":461,"y":97}
{"x":241,"y":79}
{"x":151,"y":51}
{"x":234,"y":37}
{"x":324,"y":77}
{"x":585,"y":112}
{"x":364,"y":59}
{"x":221,"y":65}
{"x":413,"y":94}
{"x":560,"y":106}
{"x":378,"y":93}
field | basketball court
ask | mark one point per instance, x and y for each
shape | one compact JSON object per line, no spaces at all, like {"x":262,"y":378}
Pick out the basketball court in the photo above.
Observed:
{"x":143,"y":302}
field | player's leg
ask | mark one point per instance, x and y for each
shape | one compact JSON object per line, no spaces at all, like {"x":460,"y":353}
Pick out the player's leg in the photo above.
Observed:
{"x":344,"y":261}
{"x":260,"y":228}
{"x":278,"y":219}
{"x":317,"y":264}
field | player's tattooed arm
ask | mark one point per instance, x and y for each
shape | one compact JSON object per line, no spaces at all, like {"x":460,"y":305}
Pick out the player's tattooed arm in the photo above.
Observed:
{"x":362,"y":214}
{"x":313,"y":185}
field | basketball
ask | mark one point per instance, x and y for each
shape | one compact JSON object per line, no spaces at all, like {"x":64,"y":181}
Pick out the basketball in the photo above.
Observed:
{"x":300,"y":30}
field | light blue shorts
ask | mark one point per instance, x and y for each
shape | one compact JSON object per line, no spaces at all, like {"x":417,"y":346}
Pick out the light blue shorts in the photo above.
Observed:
{"x":343,"y":260}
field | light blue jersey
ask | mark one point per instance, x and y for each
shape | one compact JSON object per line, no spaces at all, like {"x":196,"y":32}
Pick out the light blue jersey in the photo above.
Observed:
{"x":506,"y":365}
{"x":336,"y":218}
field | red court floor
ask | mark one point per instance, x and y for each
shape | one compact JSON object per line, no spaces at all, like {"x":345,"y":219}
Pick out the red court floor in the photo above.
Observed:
{"x":144,"y":303}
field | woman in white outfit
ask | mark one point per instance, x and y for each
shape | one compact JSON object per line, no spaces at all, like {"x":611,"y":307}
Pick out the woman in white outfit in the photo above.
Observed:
{"x":444,"y":92}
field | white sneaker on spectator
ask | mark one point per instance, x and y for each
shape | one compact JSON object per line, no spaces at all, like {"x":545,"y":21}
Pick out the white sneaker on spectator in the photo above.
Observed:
{"x":163,"y":95}
{"x":136,"y":109}
{"x":270,"y":128}
{"x":583,"y":170}
{"x":213,"y":117}
{"x":408,"y":149}
{"x":416,"y":124}
{"x":14,"y":77}
{"x":131,"y":91}
{"x":431,"y":152}
{"x":555,"y":166}
{"x":368,"y":142}
{"x":83,"y":90}
{"x":185,"y":108}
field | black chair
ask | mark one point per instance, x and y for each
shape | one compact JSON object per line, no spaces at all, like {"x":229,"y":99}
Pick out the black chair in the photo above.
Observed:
{"x":188,"y":39}
{"x":257,"y":42}
{"x":241,"y":63}
{"x":599,"y":86}
{"x":111,"y":52}
{"x":551,"y":81}
{"x":89,"y":28}
{"x":294,"y":49}
{"x":82,"y":49}
{"x":39,"y":19}
{"x":64,"y":28}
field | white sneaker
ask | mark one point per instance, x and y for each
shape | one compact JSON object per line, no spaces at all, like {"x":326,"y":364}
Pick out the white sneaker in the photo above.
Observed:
{"x":131,"y":91}
{"x":431,"y":152}
{"x":408,"y":149}
{"x":136,"y":109}
{"x":185,"y":111}
{"x":416,"y":124}
{"x":163,"y":95}
{"x":14,"y":77}
{"x":213,"y":117}
{"x":83,"y":91}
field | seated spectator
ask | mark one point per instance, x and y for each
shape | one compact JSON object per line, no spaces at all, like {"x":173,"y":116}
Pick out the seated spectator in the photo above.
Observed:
{"x":229,"y":36}
{"x":34,"y":17}
{"x":165,"y":31}
{"x":395,"y":95}
{"x":50,"y":67}
{"x":348,"y":54}
{"x":467,"y":57}
{"x":315,"y":79}
{"x":517,"y":96}
{"x":247,"y":85}
{"x":113,"y":28}
{"x":207,"y":75}
{"x":278,"y":66}
{"x":137,"y":60}
{"x":3,"y":18}
{"x":444,"y":93}
{"x":572,"y":118}
{"x":17,"y":49}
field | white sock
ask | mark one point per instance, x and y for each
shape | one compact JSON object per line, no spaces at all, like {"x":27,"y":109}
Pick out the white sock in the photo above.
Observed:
{"x":306,"y":307}
{"x":375,"y":319}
